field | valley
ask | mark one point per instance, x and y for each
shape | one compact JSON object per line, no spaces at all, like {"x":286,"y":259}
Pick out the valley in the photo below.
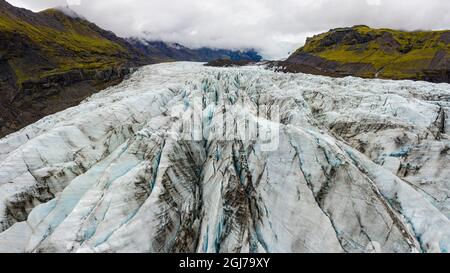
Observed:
{"x":158,"y":164}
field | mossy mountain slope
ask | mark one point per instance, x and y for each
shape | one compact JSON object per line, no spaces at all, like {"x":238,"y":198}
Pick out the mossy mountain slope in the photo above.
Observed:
{"x":43,"y":58}
{"x":377,"y":53}
{"x":60,"y":43}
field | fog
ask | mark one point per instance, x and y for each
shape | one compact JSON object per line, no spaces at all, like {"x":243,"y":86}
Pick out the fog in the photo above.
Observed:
{"x":274,"y":27}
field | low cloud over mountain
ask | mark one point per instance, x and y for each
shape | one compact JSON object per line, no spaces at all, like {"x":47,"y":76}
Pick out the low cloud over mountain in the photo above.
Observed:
{"x":273,"y":28}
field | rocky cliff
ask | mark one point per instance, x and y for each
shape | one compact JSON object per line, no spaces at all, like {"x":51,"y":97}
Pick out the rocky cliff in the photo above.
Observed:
{"x":375,"y":53}
{"x":52,"y":60}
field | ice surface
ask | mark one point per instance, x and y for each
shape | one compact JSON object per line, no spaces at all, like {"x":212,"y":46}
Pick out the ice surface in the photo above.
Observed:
{"x":185,"y":158}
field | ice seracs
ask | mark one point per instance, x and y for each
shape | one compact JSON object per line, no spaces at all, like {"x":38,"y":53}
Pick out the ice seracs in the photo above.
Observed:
{"x":160,"y":163}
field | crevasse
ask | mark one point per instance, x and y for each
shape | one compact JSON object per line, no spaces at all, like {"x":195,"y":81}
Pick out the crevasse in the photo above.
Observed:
{"x":166,"y":162}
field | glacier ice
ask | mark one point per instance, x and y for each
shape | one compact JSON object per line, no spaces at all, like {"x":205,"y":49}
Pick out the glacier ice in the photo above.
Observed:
{"x":181,"y":158}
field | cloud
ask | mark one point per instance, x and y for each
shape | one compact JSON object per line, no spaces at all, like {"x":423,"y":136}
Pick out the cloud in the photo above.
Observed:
{"x":275,"y":27}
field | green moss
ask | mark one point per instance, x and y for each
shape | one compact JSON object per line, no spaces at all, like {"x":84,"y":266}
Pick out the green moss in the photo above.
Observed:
{"x":393,"y":53}
{"x":75,"y":46}
{"x":76,"y":36}
{"x":375,"y":57}
{"x":409,"y":65}
{"x":20,"y":73}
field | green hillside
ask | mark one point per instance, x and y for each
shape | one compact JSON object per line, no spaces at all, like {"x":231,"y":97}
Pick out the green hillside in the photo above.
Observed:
{"x":384,"y":53}
{"x":57,"y":43}
{"x":54,"y":59}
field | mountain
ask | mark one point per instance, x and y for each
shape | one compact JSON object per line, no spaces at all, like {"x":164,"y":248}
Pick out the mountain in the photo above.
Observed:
{"x":187,"y":158}
{"x":177,"y":52}
{"x":375,"y":53}
{"x":52,"y":60}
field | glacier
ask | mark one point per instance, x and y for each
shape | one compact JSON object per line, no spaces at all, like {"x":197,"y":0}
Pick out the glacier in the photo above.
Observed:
{"x":186,"y":158}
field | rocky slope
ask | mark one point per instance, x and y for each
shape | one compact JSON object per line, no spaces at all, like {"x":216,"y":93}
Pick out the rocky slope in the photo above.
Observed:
{"x":47,"y":57}
{"x":185,"y":158}
{"x":375,"y":53}
{"x":177,"y":52}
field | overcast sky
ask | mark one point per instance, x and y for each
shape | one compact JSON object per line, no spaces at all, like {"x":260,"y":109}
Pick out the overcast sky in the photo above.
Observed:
{"x":274,"y":27}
